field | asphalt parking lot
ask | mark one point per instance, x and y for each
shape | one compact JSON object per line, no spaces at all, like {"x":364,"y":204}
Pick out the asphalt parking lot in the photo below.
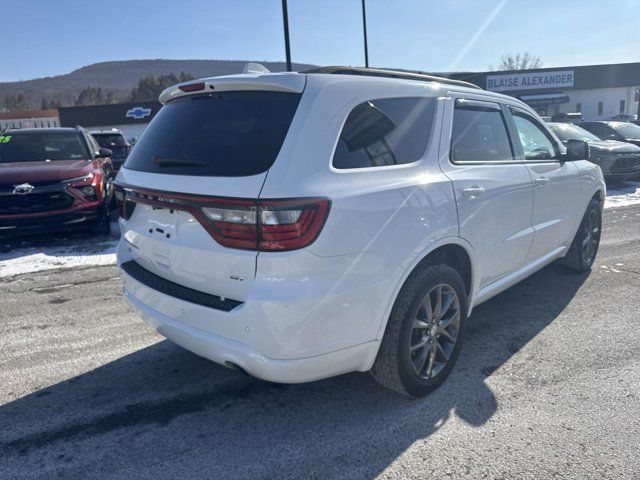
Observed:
{"x":547,"y":385}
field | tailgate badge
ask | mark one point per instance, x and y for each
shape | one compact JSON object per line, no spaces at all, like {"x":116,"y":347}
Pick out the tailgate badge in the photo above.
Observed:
{"x":236,"y":277}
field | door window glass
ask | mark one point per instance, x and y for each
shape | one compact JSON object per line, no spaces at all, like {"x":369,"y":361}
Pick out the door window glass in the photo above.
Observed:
{"x":479,"y":133}
{"x":535,"y":142}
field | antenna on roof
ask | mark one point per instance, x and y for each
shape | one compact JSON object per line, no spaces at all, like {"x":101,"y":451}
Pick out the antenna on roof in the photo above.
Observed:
{"x":254,"y":68}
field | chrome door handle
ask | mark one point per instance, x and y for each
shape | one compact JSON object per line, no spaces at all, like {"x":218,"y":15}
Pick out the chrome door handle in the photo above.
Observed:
{"x":473,"y":192}
{"x":542,"y":181}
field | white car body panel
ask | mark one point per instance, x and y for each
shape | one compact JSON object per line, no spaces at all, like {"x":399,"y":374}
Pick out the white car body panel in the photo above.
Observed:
{"x":321,"y":310}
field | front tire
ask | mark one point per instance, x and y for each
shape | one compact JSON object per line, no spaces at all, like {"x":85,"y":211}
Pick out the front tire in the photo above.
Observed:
{"x":424,"y":333}
{"x":584,"y":247}
{"x":103,"y":227}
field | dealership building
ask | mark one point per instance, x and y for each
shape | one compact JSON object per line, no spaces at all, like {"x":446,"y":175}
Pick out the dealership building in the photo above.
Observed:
{"x":130,"y":118}
{"x":29,"y":119}
{"x":594,"y":90}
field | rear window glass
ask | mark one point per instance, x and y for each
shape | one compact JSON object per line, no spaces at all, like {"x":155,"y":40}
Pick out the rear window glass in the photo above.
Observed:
{"x":387,"y":131}
{"x":226,"y":134}
{"x":108,"y":140}
{"x":479,"y":133}
{"x":42,"y":146}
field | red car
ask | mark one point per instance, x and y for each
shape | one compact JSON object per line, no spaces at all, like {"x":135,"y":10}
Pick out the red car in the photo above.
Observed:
{"x":53,"y":179}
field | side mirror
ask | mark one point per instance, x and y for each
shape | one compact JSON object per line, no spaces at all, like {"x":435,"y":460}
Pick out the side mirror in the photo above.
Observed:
{"x":577,"y":150}
{"x":104,"y":152}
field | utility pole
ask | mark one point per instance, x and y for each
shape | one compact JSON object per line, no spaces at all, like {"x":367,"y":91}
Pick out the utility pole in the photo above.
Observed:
{"x":285,"y":19}
{"x":364,"y":28}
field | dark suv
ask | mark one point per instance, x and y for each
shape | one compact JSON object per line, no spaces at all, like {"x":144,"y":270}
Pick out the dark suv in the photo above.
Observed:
{"x":618,"y":160}
{"x":114,"y":140}
{"x":611,"y":130}
{"x":53,"y":179}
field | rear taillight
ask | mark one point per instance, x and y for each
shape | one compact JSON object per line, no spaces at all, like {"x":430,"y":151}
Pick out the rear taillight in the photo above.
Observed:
{"x":125,"y":207}
{"x":291,"y":224}
{"x":267,"y":225}
{"x":261,"y":225}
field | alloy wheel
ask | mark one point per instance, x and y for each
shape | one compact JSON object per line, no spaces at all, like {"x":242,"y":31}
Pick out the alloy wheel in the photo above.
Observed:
{"x":591,"y":237}
{"x":435,"y":331}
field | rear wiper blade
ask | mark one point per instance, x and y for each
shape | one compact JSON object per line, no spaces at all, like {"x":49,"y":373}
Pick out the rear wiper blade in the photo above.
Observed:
{"x":177,"y":162}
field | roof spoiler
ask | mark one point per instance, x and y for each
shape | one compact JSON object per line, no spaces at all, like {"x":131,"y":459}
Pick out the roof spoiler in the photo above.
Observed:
{"x":388,"y":73}
{"x":284,"y":82}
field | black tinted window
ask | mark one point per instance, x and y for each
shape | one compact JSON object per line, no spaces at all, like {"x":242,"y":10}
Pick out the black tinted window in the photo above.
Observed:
{"x":388,"y":131}
{"x":600,"y":130}
{"x":479,"y":133}
{"x":108,"y":140}
{"x":227,"y":134}
{"x":41,"y":146}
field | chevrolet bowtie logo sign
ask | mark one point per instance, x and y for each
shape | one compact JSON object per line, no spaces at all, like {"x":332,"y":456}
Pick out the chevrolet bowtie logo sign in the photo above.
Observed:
{"x":138,"y":113}
{"x":22,"y":189}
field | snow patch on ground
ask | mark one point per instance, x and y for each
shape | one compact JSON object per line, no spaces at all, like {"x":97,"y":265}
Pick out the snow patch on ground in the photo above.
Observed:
{"x":49,"y":258}
{"x":52,"y":252}
{"x":623,"y":195}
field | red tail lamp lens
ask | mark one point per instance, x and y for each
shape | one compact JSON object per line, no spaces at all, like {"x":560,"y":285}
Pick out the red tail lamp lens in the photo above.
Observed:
{"x":125,"y":207}
{"x":288,"y":225}
{"x":267,"y":225}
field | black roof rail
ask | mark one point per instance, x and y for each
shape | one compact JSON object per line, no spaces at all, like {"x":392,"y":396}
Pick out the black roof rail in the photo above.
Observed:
{"x":388,"y":73}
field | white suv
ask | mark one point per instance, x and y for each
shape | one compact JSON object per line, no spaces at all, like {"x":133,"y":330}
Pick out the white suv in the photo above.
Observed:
{"x":303,"y":225}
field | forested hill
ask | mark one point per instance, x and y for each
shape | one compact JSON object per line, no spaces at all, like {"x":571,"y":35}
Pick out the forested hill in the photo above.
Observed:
{"x":119,"y":78}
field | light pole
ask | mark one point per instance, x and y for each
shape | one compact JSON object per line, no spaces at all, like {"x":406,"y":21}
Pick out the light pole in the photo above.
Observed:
{"x":287,"y":48}
{"x":364,"y":28}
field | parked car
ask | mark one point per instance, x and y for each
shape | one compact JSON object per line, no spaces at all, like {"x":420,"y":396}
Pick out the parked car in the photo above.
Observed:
{"x":609,"y":130}
{"x":114,"y":140}
{"x":618,"y":160}
{"x":303,"y":225}
{"x":575,"y":117}
{"x":53,"y":179}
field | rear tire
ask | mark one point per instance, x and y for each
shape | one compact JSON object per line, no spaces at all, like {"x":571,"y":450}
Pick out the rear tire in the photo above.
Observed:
{"x":424,"y":333}
{"x":584,"y":247}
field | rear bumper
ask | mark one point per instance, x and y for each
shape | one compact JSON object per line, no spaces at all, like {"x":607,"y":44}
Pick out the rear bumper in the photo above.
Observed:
{"x":229,"y":352}
{"x":301,"y":328}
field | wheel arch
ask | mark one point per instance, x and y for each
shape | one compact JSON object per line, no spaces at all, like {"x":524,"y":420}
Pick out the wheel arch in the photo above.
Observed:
{"x":452,"y":251}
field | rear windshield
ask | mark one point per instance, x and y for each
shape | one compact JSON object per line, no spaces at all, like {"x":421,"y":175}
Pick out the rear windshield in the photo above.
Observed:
{"x":42,"y":146}
{"x":227,"y":134}
{"x":108,"y":140}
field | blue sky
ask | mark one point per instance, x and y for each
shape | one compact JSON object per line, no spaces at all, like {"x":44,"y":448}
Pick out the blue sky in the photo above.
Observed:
{"x":50,"y":37}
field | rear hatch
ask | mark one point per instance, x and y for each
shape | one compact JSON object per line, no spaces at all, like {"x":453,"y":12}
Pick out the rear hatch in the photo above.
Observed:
{"x":201,"y":163}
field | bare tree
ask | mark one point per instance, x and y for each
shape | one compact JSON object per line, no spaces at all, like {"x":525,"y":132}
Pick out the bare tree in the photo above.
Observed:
{"x":518,"y":61}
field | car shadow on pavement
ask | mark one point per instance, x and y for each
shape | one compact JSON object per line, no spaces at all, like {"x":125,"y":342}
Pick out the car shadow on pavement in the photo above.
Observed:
{"x":163,"y":412}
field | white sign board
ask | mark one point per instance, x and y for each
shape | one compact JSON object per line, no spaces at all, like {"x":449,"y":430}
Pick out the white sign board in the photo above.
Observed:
{"x":530,"y":81}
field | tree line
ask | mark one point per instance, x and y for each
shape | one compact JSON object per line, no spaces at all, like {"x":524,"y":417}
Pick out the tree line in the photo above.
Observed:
{"x":150,"y":87}
{"x":147,"y":89}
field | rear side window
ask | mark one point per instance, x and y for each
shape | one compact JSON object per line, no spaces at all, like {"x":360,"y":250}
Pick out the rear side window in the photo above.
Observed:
{"x":479,"y":133}
{"x":226,"y":134}
{"x":388,"y":131}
